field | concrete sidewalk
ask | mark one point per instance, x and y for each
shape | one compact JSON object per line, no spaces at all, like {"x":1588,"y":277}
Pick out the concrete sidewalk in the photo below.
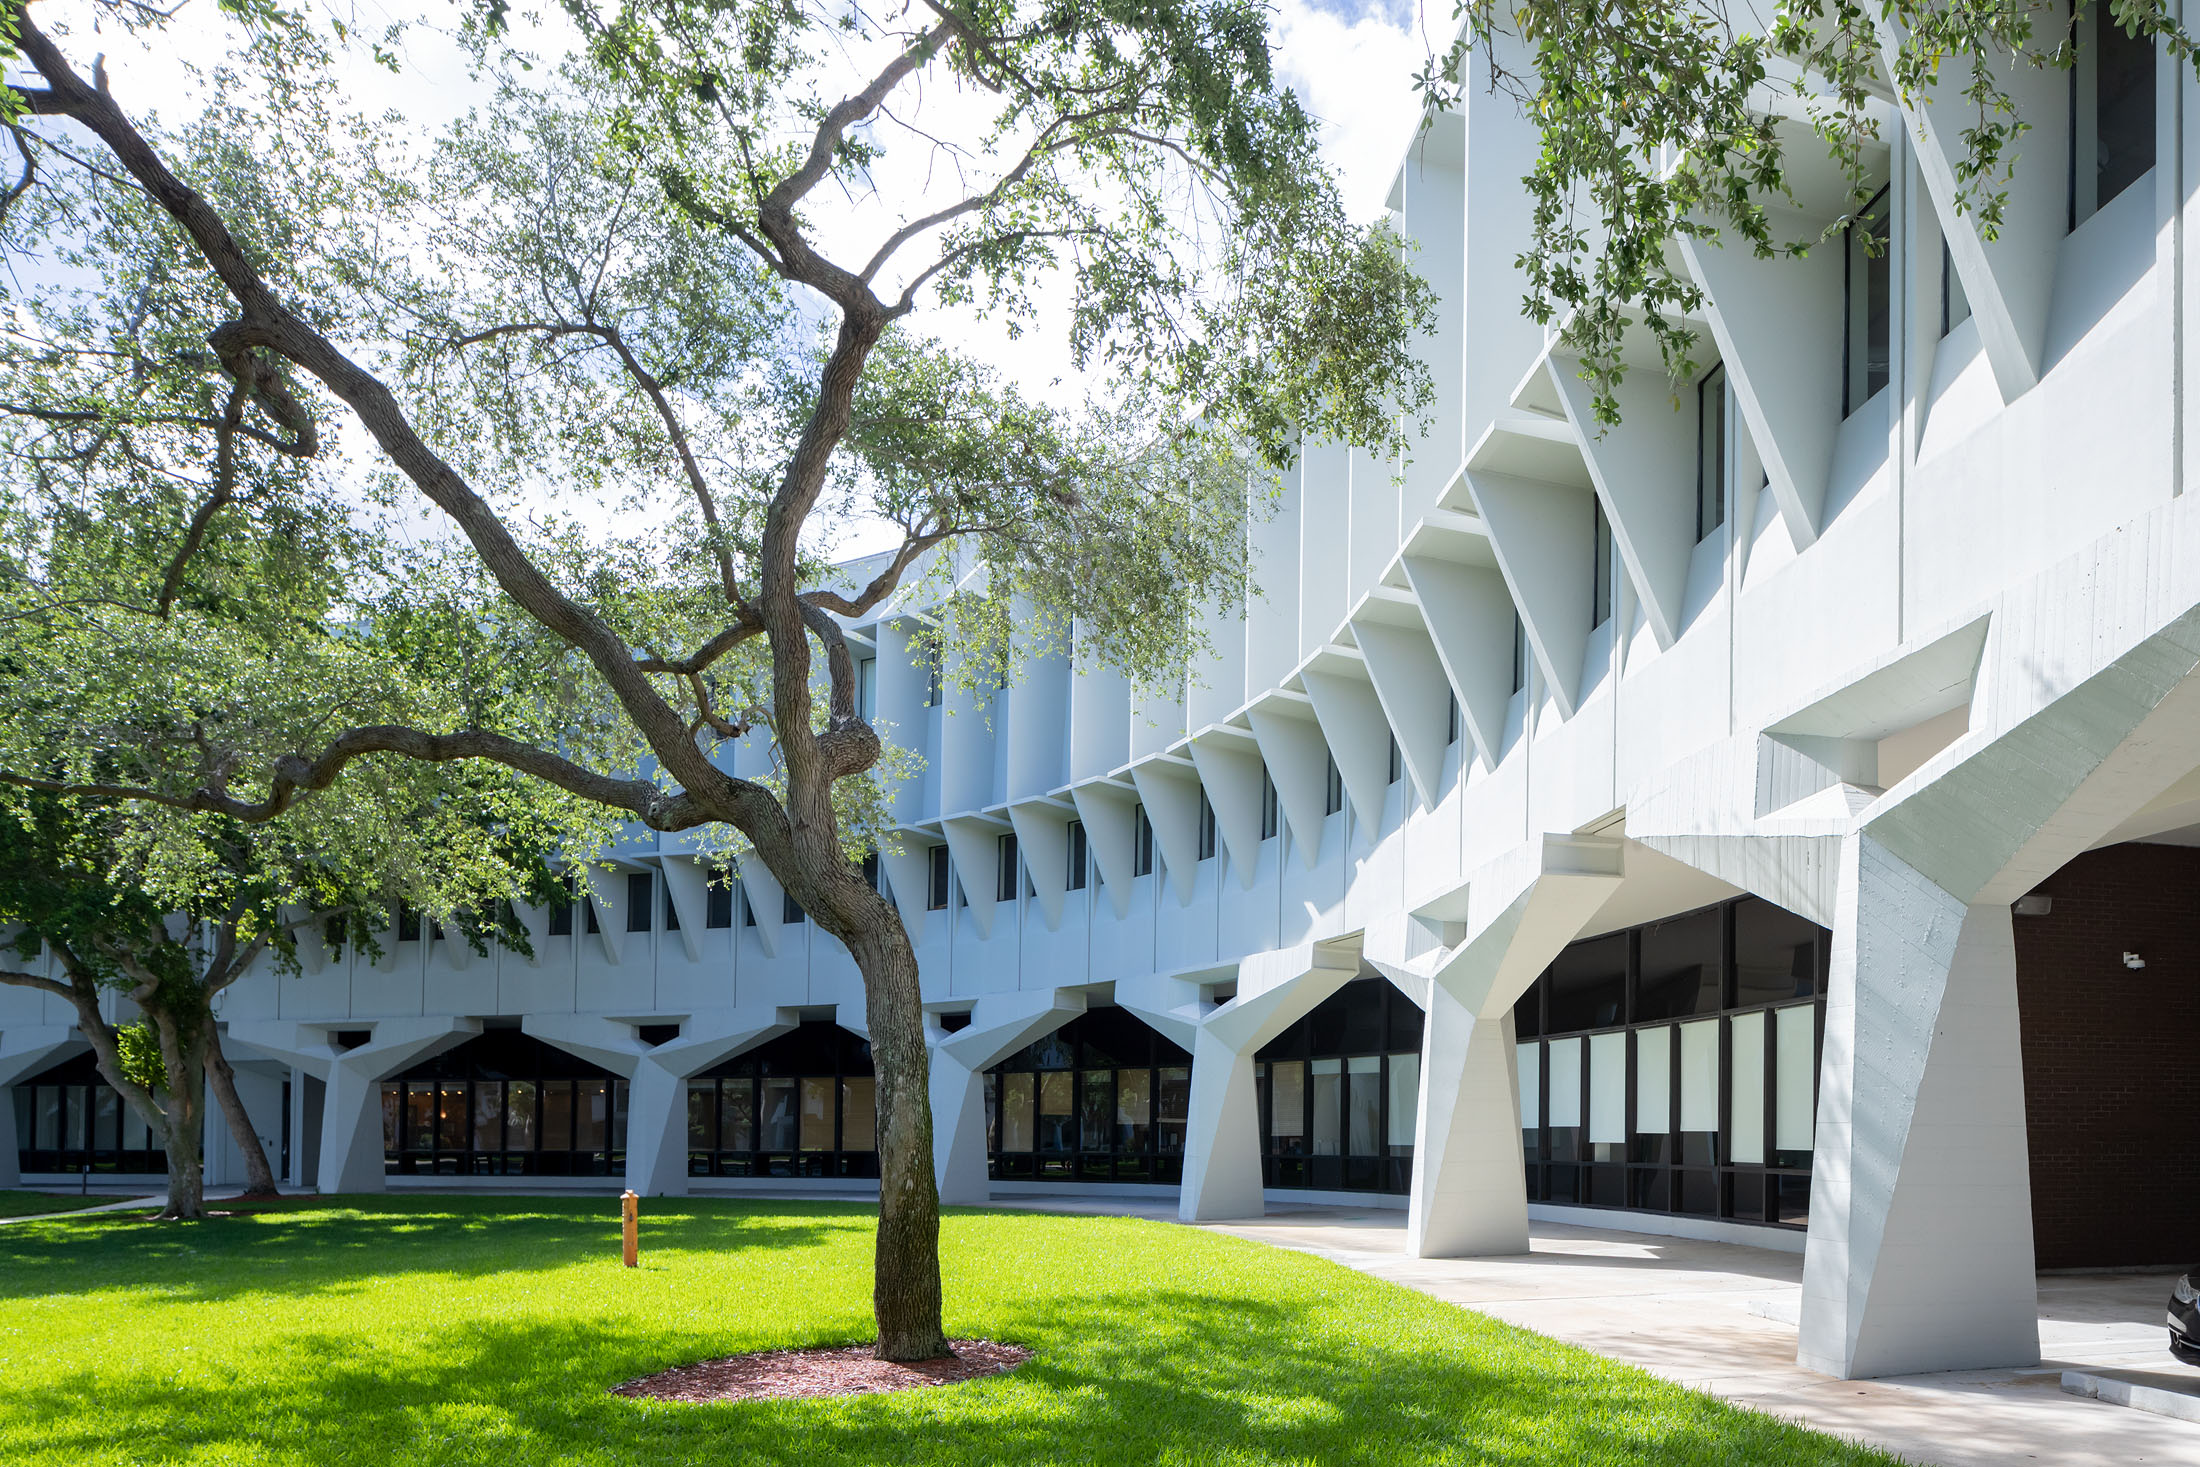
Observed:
{"x":1720,"y":1317}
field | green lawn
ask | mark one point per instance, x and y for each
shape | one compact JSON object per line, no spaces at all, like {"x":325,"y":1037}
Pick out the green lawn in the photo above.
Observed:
{"x":486,"y":1331}
{"x":29,"y":1204}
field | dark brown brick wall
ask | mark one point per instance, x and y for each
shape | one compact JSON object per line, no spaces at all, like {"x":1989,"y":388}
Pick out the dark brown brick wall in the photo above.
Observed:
{"x":2112,"y":1059}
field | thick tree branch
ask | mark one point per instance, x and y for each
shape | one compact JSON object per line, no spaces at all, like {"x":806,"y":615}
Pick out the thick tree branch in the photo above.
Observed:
{"x":268,"y":323}
{"x":295,"y":776}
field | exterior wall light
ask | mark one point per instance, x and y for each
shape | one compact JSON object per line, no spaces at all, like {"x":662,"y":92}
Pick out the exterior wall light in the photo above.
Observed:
{"x":2037,"y":904}
{"x":2134,"y":962}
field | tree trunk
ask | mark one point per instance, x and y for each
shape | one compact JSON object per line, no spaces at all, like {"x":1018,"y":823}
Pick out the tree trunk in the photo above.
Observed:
{"x":259,"y":1177}
{"x":183,"y":1057}
{"x":905,"y":1293}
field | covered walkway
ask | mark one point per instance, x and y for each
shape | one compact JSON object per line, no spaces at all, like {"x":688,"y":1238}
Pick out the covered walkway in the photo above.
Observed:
{"x":1720,"y":1317}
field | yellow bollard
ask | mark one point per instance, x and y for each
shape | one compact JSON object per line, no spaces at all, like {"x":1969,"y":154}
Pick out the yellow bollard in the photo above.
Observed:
{"x":630,"y":1210}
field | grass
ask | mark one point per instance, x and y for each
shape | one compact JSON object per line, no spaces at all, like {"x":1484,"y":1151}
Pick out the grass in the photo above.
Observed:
{"x":30,"y":1204}
{"x":486,"y":1331}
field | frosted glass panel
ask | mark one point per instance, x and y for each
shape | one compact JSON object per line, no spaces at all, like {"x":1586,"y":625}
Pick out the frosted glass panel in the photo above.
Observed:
{"x":1531,"y":1085}
{"x":1405,"y":1097}
{"x":1653,"y":1081}
{"x":1608,"y":1087}
{"x":1749,"y":1088}
{"x":1796,"y":1067}
{"x":1700,"y":1075}
{"x":1566,"y":1082}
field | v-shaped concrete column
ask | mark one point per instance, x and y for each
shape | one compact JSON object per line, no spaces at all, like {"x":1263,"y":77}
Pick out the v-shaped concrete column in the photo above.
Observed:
{"x":1469,"y":1187}
{"x":1222,"y":1175}
{"x":1000,"y":1024}
{"x":1920,"y":1252}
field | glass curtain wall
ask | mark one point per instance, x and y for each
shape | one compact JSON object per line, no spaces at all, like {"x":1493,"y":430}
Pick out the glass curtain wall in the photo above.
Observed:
{"x":504,"y":1104}
{"x":68,"y":1117}
{"x":802,"y":1105}
{"x":1338,"y":1092}
{"x":1101,"y":1099}
{"x":1673,"y":1067}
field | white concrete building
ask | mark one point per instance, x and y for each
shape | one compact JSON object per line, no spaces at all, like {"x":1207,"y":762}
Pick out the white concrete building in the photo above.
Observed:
{"x":1627,"y":820}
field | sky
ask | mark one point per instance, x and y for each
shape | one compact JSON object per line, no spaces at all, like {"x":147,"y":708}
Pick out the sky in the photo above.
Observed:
{"x":1351,"y":61}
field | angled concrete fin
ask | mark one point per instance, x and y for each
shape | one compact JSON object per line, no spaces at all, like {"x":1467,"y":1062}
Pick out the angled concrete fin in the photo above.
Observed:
{"x":687,"y":885}
{"x":1111,"y":834}
{"x":1415,"y":696}
{"x":1298,"y":761}
{"x":604,"y":898}
{"x":1645,"y":471}
{"x":766,"y":898}
{"x":975,"y":846}
{"x":1171,"y":796}
{"x":1230,"y":769}
{"x":1359,"y":738}
{"x":1778,"y":328}
{"x":1470,"y":623}
{"x":908,"y":876}
{"x":1541,"y":533}
{"x":1042,"y":839}
{"x":607,"y":1043}
{"x":2009,"y":279}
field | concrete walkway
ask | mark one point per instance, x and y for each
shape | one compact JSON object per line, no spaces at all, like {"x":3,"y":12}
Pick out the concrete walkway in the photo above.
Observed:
{"x":1720,"y":1317}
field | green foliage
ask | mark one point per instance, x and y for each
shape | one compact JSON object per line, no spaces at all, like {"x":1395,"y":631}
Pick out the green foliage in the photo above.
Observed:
{"x":138,"y":1048}
{"x":1672,"y":119}
{"x":487,"y":1331}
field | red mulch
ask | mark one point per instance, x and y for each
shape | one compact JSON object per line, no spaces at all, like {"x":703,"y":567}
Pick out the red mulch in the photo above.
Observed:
{"x":826,"y":1370}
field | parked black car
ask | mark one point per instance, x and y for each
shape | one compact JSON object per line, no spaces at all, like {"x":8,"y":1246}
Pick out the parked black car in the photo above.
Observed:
{"x":2184,"y":1318}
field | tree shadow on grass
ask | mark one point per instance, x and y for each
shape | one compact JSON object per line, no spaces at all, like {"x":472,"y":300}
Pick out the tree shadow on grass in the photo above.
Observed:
{"x":1132,"y":1375}
{"x":343,"y":1244}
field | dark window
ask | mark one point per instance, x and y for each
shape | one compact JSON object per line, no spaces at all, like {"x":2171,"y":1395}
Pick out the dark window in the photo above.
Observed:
{"x":748,"y":908}
{"x":790,"y":910}
{"x":2123,"y":106}
{"x":1693,"y":1088}
{"x":1451,"y":718}
{"x":1333,"y":788}
{"x":588,"y":916}
{"x":1683,"y":966}
{"x":1102,"y":1099}
{"x":1600,"y":565}
{"x":1206,"y":828}
{"x":1080,"y":857}
{"x":931,"y":659}
{"x":561,"y":919}
{"x":1777,"y":955}
{"x":1336,"y":1092}
{"x":801,"y":1105}
{"x":350,"y":1038}
{"x":1866,"y":291}
{"x":1004,"y":876}
{"x":655,"y":1034}
{"x":1268,"y":810}
{"x":870,"y":870}
{"x":1397,"y":761}
{"x":672,"y":910}
{"x":1955,"y":306}
{"x":505,"y":1104}
{"x":638,"y":893}
{"x":1588,"y":985}
{"x":1141,"y":843}
{"x":1520,"y":652}
{"x":718,"y":899}
{"x":1710,"y":452}
{"x":69,"y":1119}
{"x":332,"y":931}
{"x":408,"y":922}
{"x":935,"y":895}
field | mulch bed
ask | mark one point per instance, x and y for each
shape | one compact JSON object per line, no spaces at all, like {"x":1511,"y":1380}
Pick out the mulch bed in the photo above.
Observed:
{"x":826,"y":1370}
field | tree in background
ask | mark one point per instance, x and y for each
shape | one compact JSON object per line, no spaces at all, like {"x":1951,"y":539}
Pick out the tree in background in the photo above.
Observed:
{"x":1662,"y":119}
{"x":636,"y":273}
{"x":186,"y":596}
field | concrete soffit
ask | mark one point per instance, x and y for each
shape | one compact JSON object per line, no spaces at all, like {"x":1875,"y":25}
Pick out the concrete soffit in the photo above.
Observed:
{"x":1414,"y":692}
{"x":1230,"y":770}
{"x":1540,"y":533}
{"x":1298,"y":762}
{"x":1644,"y":469}
{"x":1111,"y":835}
{"x":1469,"y":614}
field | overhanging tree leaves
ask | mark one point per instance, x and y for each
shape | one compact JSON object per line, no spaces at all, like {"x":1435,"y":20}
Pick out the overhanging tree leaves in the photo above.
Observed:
{"x":1660,"y":120}
{"x":626,"y":311}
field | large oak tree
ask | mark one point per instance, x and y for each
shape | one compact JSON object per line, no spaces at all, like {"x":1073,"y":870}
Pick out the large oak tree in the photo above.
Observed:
{"x":684,"y":281}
